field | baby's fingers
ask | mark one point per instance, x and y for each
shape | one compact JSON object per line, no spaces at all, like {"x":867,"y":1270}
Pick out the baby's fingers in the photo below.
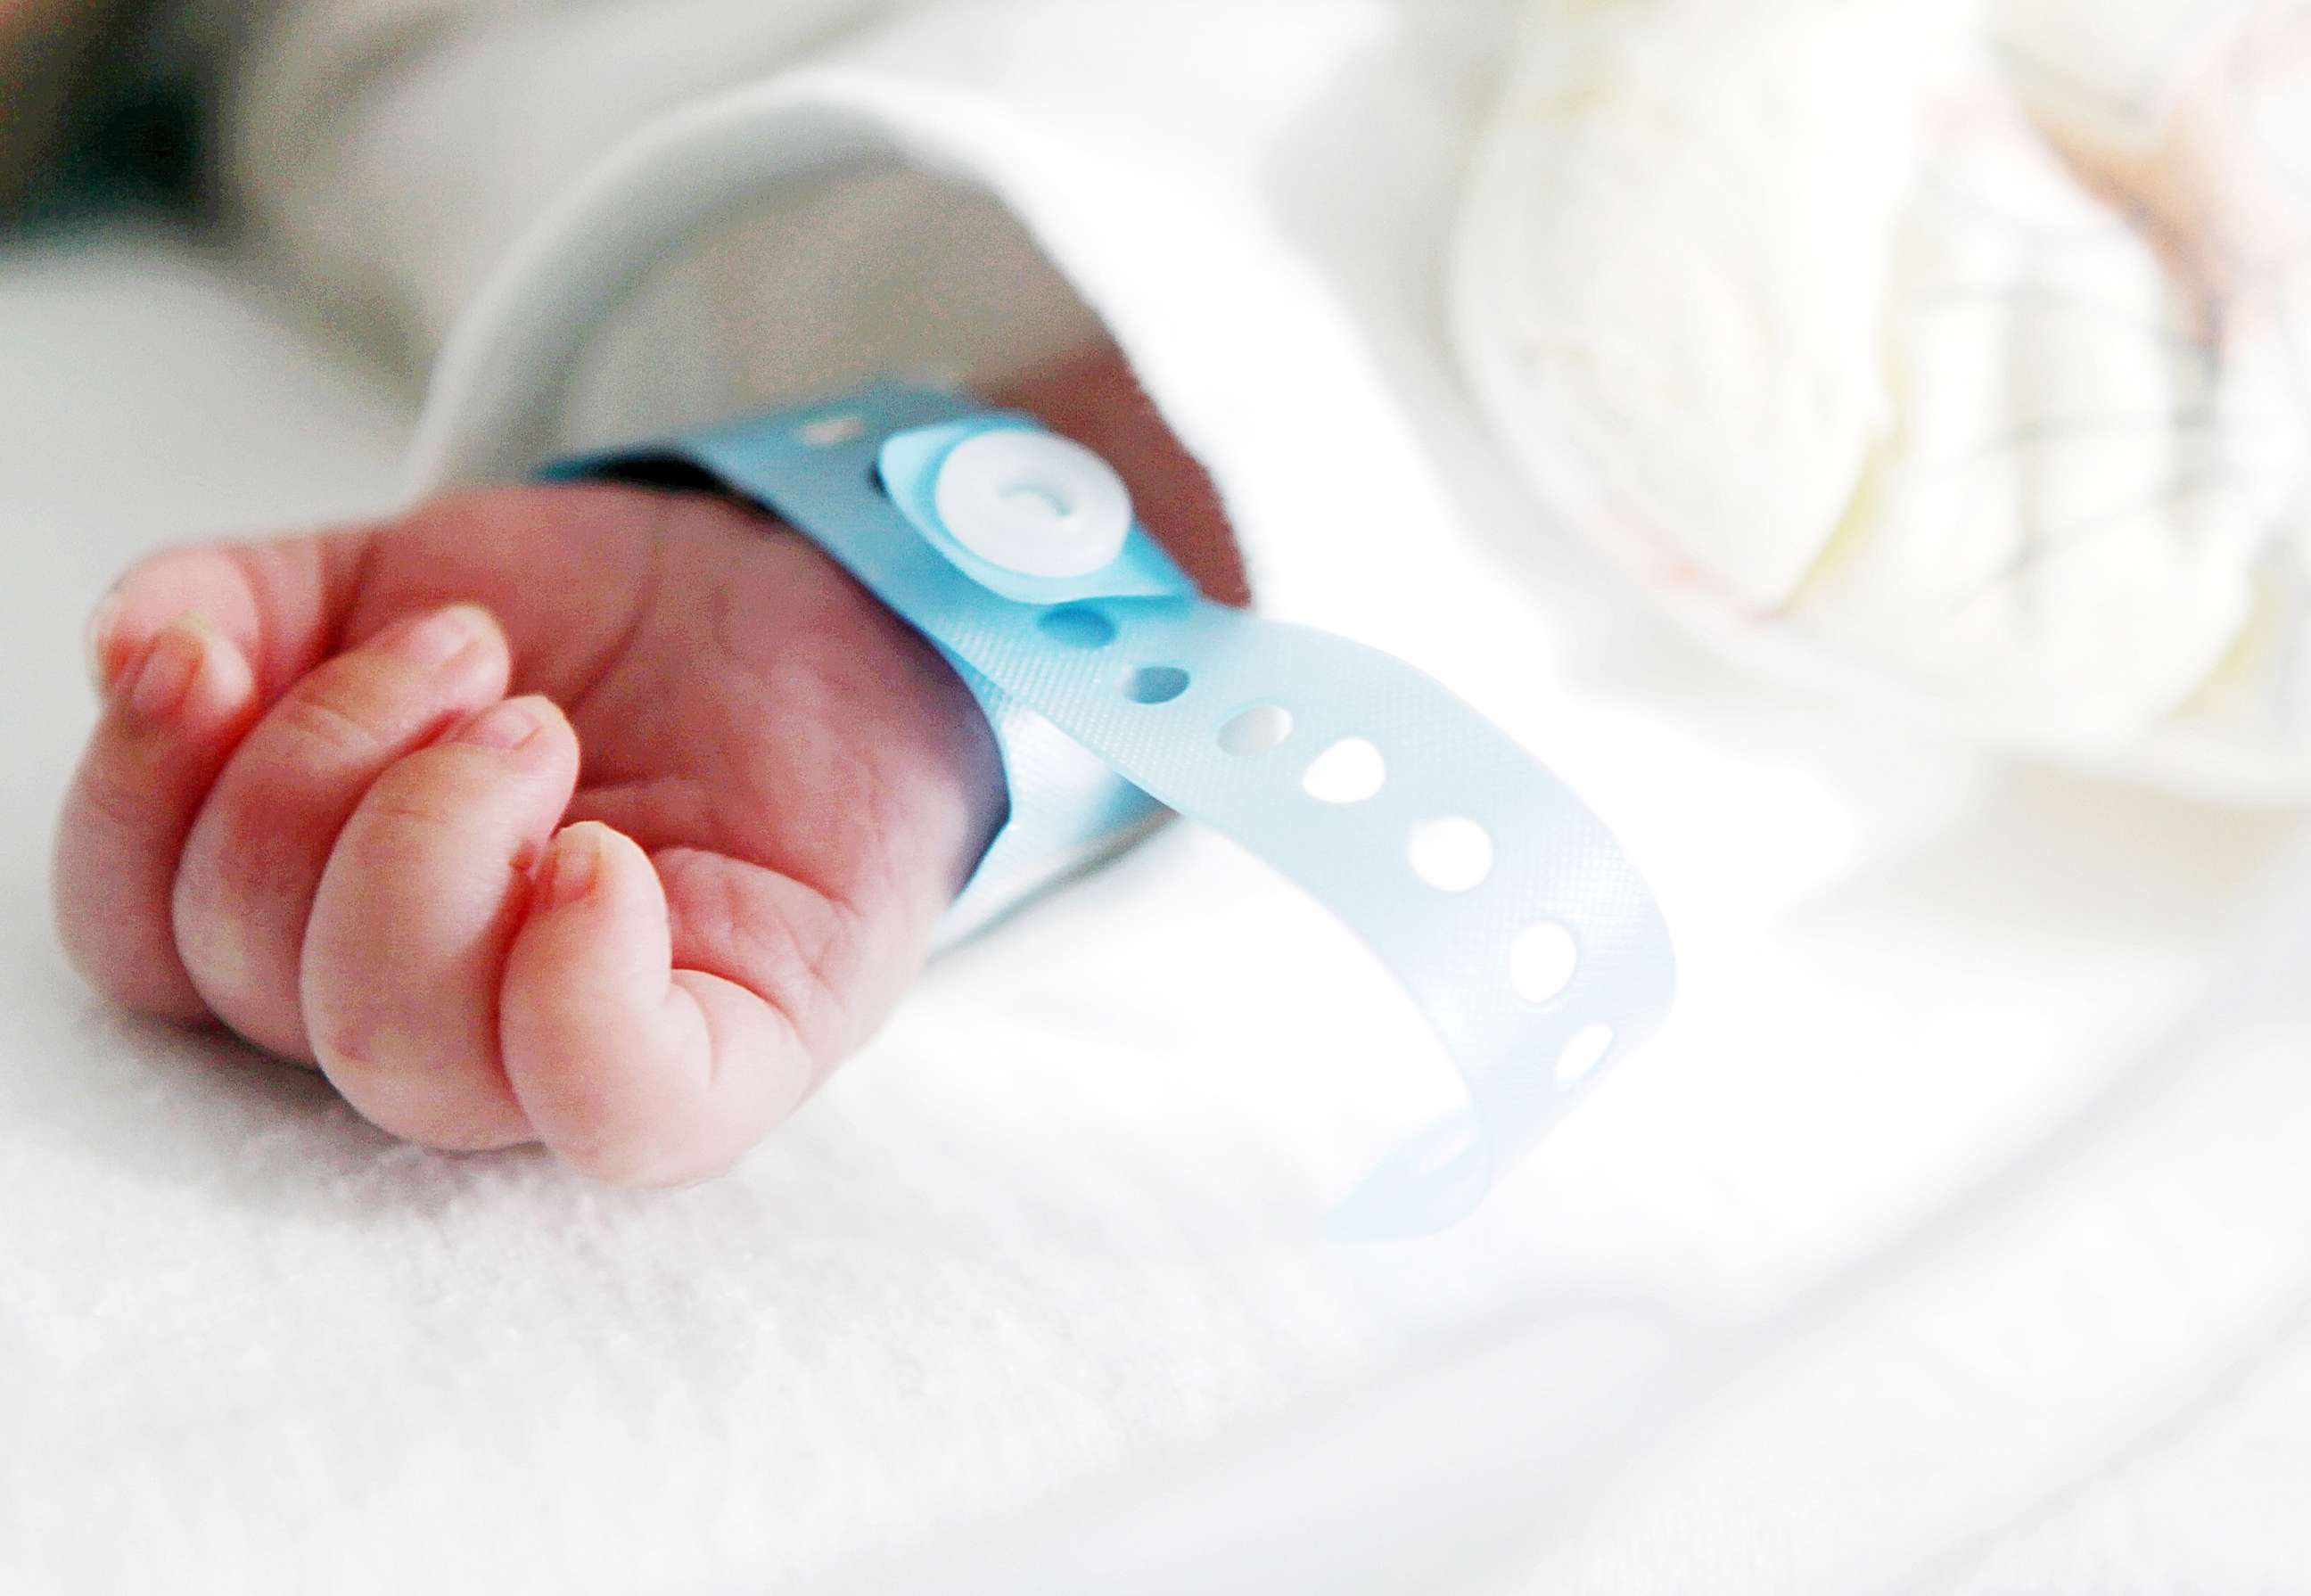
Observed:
{"x":254,"y":858}
{"x":175,"y":703}
{"x":630,"y":1070}
{"x":408,"y":941}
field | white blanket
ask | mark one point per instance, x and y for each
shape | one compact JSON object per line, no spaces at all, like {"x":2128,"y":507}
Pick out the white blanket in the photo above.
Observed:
{"x":1923,"y":1252}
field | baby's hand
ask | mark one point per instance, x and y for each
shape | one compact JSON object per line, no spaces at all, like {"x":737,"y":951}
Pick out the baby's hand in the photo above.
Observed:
{"x":591,"y":815}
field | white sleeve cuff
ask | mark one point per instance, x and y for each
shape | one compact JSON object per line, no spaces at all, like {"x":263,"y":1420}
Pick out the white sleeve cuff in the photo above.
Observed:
{"x":779,"y":241}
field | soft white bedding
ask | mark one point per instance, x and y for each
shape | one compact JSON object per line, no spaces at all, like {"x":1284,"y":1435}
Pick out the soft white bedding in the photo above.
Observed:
{"x":1911,"y":1258}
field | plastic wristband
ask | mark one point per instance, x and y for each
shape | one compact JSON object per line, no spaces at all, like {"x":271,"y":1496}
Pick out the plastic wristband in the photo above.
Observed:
{"x":1500,"y":902}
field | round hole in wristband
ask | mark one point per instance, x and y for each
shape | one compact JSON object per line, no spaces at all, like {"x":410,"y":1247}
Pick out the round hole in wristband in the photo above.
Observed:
{"x":1498,"y":901}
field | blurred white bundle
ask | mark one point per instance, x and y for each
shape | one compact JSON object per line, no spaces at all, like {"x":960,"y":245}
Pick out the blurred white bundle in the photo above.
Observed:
{"x":1963,"y":352}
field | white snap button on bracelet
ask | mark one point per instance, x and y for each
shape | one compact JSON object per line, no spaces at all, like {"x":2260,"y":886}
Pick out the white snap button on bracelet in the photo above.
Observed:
{"x":1033,"y":504}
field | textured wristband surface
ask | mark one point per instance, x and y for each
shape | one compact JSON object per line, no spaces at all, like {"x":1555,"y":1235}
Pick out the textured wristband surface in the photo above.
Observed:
{"x":1502,"y":904}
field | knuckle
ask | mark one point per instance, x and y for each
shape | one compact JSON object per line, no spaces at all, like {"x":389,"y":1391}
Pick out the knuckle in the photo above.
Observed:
{"x":348,"y":1050}
{"x":112,"y":801}
{"x":229,"y":946}
{"x":612,"y":1154}
{"x":434,"y":1102}
{"x":330,"y":720}
{"x":448,"y":1126}
{"x":236,"y":859}
{"x":610,"y":1138}
{"x":411,"y":796}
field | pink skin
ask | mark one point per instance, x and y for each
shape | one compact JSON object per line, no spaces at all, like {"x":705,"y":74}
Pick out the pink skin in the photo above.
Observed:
{"x":311,"y":811}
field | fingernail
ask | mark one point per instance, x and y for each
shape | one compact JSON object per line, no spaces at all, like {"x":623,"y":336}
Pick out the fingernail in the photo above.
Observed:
{"x":571,"y":866}
{"x":438,"y":638}
{"x":157,"y":688}
{"x":507,"y":725}
{"x":98,"y":639}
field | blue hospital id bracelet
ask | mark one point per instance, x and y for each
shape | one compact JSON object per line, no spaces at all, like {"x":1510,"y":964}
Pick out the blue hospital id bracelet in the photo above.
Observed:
{"x":1492,"y":894}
